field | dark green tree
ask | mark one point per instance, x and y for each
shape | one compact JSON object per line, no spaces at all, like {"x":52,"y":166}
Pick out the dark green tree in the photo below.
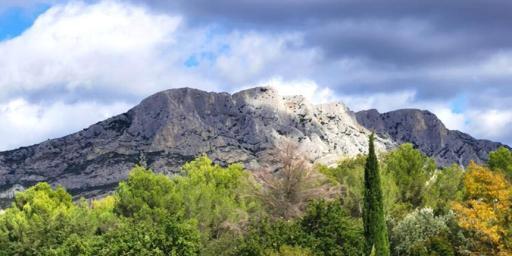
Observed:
{"x":501,"y":159}
{"x":332,"y":230}
{"x":411,"y":170}
{"x":375,"y":230}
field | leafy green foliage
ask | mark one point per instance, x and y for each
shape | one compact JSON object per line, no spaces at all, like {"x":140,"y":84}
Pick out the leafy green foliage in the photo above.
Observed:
{"x":375,"y":230}
{"x":213,"y":210}
{"x":414,"y":234}
{"x":145,"y":191}
{"x":325,"y":229}
{"x":218,"y":198}
{"x":501,"y":159}
{"x":333,"y":230}
{"x":40,"y":219}
{"x":150,"y":214}
{"x":411,"y":169}
{"x":168,"y":236}
{"x":286,"y":250}
{"x":349,"y":173}
{"x":268,"y":235}
{"x":445,"y":187}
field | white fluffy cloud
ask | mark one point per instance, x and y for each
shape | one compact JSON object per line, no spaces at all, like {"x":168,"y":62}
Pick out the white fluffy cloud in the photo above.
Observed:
{"x":80,"y":46}
{"x":24,"y":123}
{"x":307,"y":88}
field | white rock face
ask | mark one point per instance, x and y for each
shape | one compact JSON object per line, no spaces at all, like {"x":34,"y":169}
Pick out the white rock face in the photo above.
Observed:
{"x":174,"y":126}
{"x":239,"y":127}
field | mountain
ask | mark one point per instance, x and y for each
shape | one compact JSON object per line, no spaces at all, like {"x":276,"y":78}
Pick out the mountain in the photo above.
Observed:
{"x":171,"y":127}
{"x":427,"y":133}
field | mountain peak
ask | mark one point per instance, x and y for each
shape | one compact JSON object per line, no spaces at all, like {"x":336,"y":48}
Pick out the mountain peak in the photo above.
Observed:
{"x":427,"y":132}
{"x":173,"y":126}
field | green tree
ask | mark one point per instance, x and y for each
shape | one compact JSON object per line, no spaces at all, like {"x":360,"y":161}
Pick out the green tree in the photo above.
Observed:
{"x":40,"y":220}
{"x":145,"y":191}
{"x":501,"y":159}
{"x":349,"y":173}
{"x":219,"y":198}
{"x":375,"y":229}
{"x":287,"y":250}
{"x":168,"y":236}
{"x":333,"y":231}
{"x":269,"y":235}
{"x":325,"y":229}
{"x":411,"y":170}
{"x":446,"y":186}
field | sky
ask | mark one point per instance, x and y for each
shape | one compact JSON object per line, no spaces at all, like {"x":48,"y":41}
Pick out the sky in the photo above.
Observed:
{"x":65,"y":65}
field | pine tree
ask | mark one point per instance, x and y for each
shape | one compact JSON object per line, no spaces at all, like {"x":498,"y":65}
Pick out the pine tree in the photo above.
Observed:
{"x":375,"y":230}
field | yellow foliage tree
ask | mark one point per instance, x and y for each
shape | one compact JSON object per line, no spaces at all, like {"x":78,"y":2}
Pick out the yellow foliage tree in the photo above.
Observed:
{"x":486,"y":210}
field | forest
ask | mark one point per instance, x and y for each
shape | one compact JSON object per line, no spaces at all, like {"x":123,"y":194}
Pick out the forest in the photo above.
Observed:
{"x":394,"y":203}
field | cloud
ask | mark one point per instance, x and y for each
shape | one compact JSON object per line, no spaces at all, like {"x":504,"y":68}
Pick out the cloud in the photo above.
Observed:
{"x":87,"y":47}
{"x":492,"y":124}
{"x":307,"y":88}
{"x":254,"y":56}
{"x":436,"y":48}
{"x":24,"y":123}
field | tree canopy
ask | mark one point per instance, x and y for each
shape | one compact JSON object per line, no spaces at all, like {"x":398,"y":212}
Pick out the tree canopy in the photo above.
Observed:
{"x":297,"y":209}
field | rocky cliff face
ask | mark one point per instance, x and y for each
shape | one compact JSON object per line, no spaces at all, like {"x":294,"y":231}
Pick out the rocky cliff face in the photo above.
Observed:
{"x":172,"y":127}
{"x":426,"y":132}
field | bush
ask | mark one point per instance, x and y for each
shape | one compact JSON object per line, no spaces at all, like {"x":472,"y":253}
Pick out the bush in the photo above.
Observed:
{"x":325,"y":229}
{"x":413,"y":235}
{"x":332,"y":230}
{"x":167,"y":237}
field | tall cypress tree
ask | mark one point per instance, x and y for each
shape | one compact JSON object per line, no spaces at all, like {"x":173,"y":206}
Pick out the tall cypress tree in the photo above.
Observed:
{"x":375,"y":230}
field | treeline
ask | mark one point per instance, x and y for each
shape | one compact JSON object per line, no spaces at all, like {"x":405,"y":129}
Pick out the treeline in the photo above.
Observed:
{"x":298,"y":210}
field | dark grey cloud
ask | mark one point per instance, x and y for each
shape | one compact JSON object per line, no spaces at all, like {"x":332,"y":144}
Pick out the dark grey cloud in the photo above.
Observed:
{"x":451,"y":26}
{"x":414,"y":37}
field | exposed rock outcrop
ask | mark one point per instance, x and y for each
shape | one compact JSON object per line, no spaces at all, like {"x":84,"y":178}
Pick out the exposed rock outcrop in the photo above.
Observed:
{"x":174,"y":126}
{"x":427,"y":133}
{"x":171,"y":127}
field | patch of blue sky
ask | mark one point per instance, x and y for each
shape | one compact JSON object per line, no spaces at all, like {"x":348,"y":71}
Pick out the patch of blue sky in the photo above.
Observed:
{"x":206,"y":56}
{"x":459,"y":104}
{"x":191,"y":62}
{"x":15,"y":20}
{"x":224,"y":49}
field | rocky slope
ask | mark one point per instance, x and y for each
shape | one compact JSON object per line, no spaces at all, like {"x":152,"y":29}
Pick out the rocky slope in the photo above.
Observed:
{"x":172,"y":127}
{"x":424,"y":130}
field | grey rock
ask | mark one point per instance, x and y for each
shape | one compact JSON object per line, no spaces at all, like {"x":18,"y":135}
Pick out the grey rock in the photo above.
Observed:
{"x":427,"y":133}
{"x":171,"y":127}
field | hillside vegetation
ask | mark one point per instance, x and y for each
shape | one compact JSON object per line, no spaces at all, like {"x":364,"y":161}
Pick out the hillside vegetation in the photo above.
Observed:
{"x":298,"y":210}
